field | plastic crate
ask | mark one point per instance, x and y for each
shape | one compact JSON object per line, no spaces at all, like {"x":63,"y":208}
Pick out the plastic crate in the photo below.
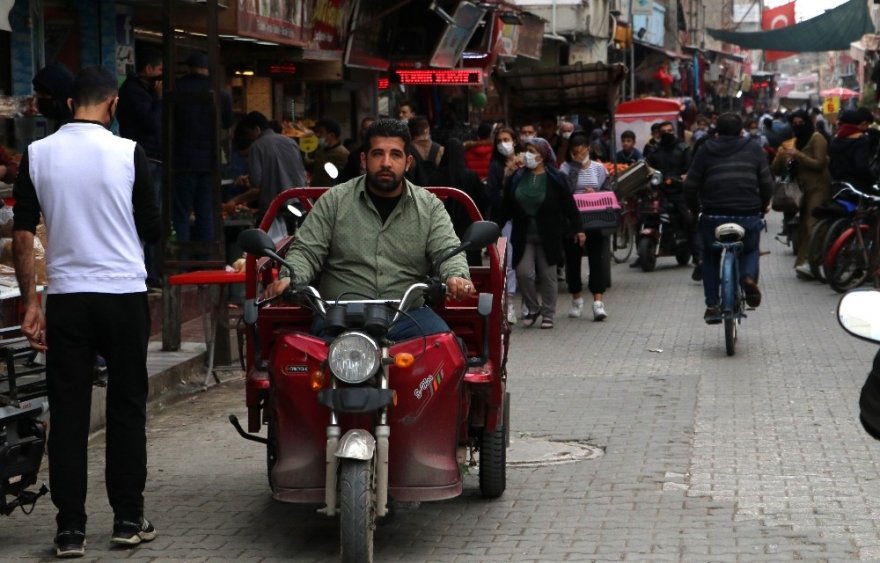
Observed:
{"x":599,"y":210}
{"x":633,"y":181}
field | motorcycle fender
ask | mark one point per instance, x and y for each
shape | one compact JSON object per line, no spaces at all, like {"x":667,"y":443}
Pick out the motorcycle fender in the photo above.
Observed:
{"x":356,"y":444}
{"x":648,"y":232}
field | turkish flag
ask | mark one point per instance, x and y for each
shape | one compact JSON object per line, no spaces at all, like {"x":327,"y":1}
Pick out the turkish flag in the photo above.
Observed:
{"x":775,"y":18}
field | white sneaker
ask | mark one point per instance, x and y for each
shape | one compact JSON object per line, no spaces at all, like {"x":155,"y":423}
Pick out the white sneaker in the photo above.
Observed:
{"x":599,"y":313}
{"x":511,"y":311}
{"x":803,"y":271}
{"x":577,"y":308}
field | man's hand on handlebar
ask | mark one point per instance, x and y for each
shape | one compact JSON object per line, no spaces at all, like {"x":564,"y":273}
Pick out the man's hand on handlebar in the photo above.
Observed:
{"x":460,"y":288}
{"x":276,"y":288}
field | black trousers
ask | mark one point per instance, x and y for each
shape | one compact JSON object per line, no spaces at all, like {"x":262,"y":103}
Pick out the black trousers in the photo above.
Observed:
{"x":79,"y":326}
{"x":593,"y":248}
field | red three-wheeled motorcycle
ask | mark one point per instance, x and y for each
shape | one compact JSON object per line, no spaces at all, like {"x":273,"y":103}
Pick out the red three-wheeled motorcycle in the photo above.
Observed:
{"x":355,"y":421}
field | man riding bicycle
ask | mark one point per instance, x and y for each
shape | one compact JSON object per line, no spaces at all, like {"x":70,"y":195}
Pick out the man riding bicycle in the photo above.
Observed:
{"x":729,"y":181}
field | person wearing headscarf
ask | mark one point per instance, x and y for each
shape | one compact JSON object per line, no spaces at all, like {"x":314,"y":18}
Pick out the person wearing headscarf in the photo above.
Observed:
{"x":850,"y":151}
{"x":506,"y":159}
{"x":542,"y":208}
{"x":585,"y":175}
{"x":807,"y":161}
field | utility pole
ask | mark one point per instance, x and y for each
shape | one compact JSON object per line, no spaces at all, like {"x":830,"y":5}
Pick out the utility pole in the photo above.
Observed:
{"x":632,"y":51}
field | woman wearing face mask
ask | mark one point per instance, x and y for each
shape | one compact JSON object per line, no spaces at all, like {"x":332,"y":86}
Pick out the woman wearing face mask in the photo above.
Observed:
{"x":540,"y":205}
{"x":585,"y":176}
{"x":808,"y":162}
{"x":502,"y":166}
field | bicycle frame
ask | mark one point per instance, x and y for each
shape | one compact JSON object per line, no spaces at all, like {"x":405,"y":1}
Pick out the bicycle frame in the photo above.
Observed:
{"x":732,"y":298}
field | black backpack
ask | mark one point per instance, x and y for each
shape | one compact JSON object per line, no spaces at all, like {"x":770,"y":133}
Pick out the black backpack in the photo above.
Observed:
{"x":426,"y":172}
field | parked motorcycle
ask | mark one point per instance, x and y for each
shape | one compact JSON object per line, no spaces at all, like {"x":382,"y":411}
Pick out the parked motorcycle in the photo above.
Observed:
{"x":22,"y":431}
{"x":663,"y":231}
{"x":356,"y":421}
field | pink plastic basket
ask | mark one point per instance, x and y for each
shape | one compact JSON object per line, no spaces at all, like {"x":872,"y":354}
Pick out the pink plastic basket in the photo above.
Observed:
{"x":599,"y":210}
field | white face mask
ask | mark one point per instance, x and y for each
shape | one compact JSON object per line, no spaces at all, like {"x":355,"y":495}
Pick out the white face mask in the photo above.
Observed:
{"x":506,"y":148}
{"x":566,"y":134}
{"x":525,"y":139}
{"x":530,"y":160}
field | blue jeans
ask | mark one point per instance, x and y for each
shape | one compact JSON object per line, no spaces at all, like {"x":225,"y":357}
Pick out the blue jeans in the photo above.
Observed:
{"x":748,"y":258}
{"x":423,"y":321}
{"x":193,"y":194}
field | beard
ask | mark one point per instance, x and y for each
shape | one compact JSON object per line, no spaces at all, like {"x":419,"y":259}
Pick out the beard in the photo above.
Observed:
{"x":384,"y":181}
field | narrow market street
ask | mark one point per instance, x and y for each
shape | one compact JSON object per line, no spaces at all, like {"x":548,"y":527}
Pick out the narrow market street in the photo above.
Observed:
{"x":700,"y":456}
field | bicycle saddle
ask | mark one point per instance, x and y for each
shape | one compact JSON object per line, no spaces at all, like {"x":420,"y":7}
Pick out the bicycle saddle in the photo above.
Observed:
{"x":729,"y":232}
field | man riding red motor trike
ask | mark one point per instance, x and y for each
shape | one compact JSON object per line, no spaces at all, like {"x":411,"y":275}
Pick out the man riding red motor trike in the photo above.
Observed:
{"x":354,"y":419}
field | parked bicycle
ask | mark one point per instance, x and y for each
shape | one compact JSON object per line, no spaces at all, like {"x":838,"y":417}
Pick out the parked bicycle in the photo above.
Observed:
{"x":832,"y":219}
{"x":853,"y":257}
{"x":623,"y":241}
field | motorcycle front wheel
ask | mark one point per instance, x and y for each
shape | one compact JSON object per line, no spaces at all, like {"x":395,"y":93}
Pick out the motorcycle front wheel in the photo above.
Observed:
{"x":357,"y":515}
{"x":493,"y":458}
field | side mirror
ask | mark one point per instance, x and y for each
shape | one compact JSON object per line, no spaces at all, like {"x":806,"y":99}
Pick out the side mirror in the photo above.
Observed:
{"x":331,"y":170}
{"x":480,"y":234}
{"x":859,"y":314}
{"x":256,"y":241}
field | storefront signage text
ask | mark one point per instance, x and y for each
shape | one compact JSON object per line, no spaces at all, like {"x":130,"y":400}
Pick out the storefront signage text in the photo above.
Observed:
{"x":439,"y":77}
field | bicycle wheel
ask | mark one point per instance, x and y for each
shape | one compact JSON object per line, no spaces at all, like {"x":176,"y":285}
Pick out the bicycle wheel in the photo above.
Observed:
{"x":729,"y":305}
{"x":623,"y":241}
{"x":849,"y":268}
{"x":835,"y":229}
{"x":730,"y":335}
{"x":816,"y":252}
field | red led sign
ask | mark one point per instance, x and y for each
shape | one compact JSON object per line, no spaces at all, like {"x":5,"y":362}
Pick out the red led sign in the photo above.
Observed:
{"x":282,"y":68}
{"x":439,"y":77}
{"x":383,"y":83}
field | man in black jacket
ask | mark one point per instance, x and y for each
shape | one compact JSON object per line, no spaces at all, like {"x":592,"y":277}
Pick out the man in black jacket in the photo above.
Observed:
{"x":140,"y":119}
{"x":729,"y":181}
{"x":194,"y":148}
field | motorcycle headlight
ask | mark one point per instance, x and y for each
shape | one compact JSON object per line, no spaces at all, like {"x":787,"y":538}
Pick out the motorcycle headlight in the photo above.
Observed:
{"x":354,"y":357}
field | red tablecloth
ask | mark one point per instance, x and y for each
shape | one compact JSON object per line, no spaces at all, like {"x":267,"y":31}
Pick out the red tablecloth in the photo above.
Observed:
{"x":206,"y":277}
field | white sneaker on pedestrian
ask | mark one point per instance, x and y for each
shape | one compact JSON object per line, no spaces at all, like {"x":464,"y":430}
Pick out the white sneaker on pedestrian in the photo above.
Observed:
{"x":577,"y":308}
{"x":803,"y":271}
{"x":599,"y":313}
{"x":511,"y":311}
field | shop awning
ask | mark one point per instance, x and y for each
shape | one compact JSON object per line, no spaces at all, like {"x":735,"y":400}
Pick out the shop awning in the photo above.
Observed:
{"x":657,"y":48}
{"x":832,"y":31}
{"x":561,"y":90}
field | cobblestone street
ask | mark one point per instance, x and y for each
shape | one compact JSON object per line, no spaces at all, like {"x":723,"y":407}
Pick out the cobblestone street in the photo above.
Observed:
{"x":756,"y":457}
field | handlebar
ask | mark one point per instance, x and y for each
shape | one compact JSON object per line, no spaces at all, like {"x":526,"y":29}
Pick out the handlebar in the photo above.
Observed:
{"x":412,"y":293}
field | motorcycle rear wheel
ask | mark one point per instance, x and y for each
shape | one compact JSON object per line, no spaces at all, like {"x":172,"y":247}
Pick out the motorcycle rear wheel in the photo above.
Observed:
{"x":647,"y":255}
{"x":357,"y":514}
{"x":493,"y":458}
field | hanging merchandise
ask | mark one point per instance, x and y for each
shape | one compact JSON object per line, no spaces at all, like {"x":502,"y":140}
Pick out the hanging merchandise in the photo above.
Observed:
{"x":479,"y":99}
